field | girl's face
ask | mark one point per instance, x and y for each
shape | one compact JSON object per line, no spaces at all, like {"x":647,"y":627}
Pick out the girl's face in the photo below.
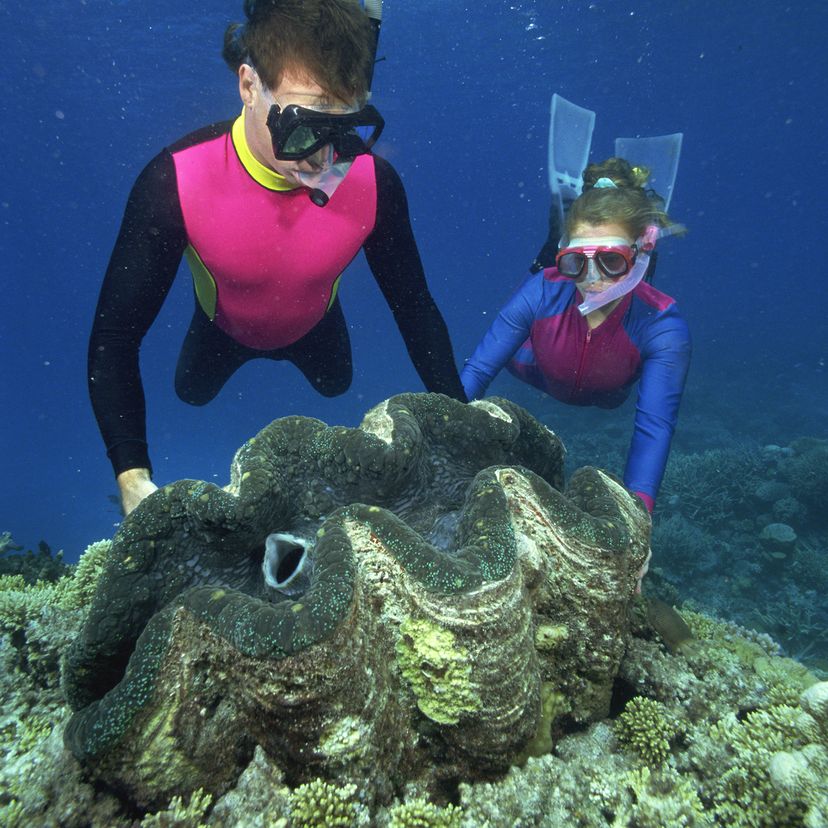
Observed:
{"x":593,"y":279}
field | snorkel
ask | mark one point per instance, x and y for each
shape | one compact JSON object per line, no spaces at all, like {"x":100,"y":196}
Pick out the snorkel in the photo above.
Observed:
{"x":323,"y":182}
{"x":646,"y":244}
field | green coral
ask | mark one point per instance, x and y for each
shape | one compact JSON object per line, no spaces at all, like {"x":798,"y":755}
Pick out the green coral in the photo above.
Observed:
{"x":13,"y":815}
{"x":321,"y":804}
{"x":179,"y":815}
{"x":78,"y":590}
{"x":21,"y":602}
{"x":645,"y":728}
{"x":437,"y":669}
{"x":663,"y":798}
{"x":744,"y":793}
{"x":420,"y":813}
{"x":554,"y":704}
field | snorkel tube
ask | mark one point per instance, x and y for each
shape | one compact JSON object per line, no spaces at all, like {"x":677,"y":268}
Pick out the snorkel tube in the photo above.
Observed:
{"x":646,"y":246}
{"x":323,"y":183}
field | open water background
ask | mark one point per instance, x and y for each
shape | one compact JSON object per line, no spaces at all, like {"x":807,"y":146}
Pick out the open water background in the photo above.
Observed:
{"x":92,"y":89}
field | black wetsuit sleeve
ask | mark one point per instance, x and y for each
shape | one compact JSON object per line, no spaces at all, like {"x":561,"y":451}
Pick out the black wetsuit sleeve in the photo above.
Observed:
{"x":394,"y":260}
{"x":141,"y":270}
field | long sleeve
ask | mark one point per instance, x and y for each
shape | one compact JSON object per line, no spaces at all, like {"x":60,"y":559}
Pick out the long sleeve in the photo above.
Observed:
{"x":394,"y":260}
{"x":666,"y":358}
{"x":505,"y":335}
{"x":141,"y":270}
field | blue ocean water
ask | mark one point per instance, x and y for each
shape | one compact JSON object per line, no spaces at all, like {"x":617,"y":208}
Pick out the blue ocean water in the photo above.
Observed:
{"x":94,"y":88}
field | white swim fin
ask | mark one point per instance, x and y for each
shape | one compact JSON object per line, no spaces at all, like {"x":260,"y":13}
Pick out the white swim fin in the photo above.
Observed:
{"x":570,"y":138}
{"x":660,"y":154}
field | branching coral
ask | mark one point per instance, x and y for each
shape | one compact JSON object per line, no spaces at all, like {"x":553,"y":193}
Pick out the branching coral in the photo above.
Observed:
{"x":743,"y":792}
{"x":420,"y":813}
{"x":179,"y":815}
{"x":714,"y":485}
{"x":646,"y":728}
{"x":322,"y":804}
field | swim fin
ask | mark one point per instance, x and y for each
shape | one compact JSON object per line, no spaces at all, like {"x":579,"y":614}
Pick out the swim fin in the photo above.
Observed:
{"x":660,"y":154}
{"x":570,"y":138}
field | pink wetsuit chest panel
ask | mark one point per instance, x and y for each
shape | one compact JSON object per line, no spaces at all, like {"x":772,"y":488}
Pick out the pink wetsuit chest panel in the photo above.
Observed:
{"x":274,"y":256}
{"x":580,"y":365}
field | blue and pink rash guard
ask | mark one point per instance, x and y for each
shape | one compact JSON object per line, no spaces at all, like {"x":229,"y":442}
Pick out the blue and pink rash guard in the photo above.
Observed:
{"x":544,"y":340}
{"x":266,"y":264}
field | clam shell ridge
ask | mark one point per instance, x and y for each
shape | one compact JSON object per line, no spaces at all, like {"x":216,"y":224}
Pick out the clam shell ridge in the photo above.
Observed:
{"x":454,"y":579}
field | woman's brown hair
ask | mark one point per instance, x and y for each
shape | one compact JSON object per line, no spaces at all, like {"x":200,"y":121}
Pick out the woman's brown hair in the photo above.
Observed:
{"x":626,"y":203}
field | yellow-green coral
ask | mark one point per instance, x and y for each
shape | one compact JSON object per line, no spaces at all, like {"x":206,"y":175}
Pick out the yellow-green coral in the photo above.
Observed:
{"x":554,"y":703}
{"x":77,"y":591}
{"x":661,"y":799}
{"x":420,"y":813}
{"x":321,"y":804}
{"x":744,"y":793}
{"x":645,"y":728}
{"x":21,"y":602}
{"x":437,"y":669}
{"x":784,"y":677}
{"x":550,"y":636}
{"x":12,"y":815}
{"x":179,"y":815}
{"x":31,"y":730}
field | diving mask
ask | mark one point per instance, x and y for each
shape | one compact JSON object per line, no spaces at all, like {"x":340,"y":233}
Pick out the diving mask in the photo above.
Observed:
{"x":611,"y":258}
{"x":597,"y":296}
{"x":298,"y":132}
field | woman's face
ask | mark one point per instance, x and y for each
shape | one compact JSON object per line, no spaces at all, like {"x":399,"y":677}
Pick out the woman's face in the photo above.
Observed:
{"x":605,"y":235}
{"x":293,"y":88}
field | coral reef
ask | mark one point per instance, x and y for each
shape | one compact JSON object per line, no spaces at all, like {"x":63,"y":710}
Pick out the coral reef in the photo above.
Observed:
{"x":32,"y":566}
{"x":646,"y":728}
{"x":747,"y":729}
{"x":404,"y":661}
{"x":741,"y":531}
{"x":320,"y":804}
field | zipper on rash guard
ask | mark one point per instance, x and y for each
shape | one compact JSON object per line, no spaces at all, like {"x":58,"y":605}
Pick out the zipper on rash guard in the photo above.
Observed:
{"x":581,"y":362}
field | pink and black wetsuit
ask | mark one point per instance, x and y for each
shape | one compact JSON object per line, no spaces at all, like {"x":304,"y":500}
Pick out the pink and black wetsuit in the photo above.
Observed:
{"x":266,"y":264}
{"x":544,"y":340}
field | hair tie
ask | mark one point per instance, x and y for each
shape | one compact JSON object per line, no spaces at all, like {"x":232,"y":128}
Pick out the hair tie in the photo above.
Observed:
{"x":604,"y":182}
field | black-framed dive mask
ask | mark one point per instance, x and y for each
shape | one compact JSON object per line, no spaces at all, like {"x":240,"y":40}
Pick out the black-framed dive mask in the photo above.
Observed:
{"x":298,"y":132}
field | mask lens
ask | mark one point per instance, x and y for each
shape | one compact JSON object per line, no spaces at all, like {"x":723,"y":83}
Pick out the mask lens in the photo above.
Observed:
{"x":571,"y":264}
{"x":302,"y":139}
{"x":612,"y":264}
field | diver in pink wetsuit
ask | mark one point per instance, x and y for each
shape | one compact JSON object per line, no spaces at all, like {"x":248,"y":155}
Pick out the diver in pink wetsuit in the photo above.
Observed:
{"x":589,"y":329}
{"x":268,"y":209}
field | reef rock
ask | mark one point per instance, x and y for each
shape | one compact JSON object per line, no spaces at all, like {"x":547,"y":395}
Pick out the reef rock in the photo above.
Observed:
{"x":455,"y":583}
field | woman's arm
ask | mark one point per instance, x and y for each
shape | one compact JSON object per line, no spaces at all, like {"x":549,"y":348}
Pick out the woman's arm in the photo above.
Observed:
{"x":666,"y":357}
{"x":507,"y":333}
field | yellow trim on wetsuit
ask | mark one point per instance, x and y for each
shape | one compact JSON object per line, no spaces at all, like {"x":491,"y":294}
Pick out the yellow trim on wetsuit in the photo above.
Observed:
{"x":334,"y":289}
{"x":203,"y":282}
{"x":258,"y":171}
